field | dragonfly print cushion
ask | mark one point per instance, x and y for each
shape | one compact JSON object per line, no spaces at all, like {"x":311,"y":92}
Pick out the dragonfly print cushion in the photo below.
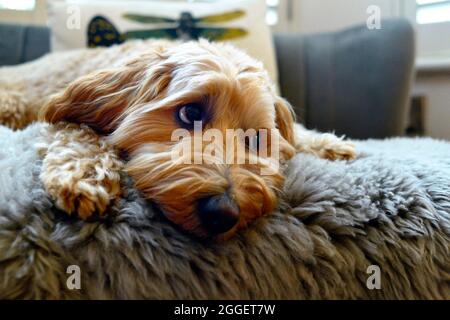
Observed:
{"x":79,"y":24}
{"x":102,"y":32}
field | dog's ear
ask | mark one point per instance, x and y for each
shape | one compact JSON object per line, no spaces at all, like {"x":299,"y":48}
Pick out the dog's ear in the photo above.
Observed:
{"x":285,"y":118}
{"x":100,"y":99}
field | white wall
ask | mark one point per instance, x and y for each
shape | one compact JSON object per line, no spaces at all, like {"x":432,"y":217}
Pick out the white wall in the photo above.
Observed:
{"x":311,"y":16}
{"x":436,"y":88}
{"x":38,"y":16}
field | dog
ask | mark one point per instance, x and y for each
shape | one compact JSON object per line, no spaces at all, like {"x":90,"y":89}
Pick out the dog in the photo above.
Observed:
{"x":130,"y":99}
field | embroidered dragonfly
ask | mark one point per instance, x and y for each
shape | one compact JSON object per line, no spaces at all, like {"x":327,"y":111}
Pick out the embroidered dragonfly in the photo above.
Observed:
{"x":102,"y":32}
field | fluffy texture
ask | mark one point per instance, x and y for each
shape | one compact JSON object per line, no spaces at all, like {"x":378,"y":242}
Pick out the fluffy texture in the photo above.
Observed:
{"x":390,"y":207}
{"x":137,"y":102}
{"x":80,"y":171}
{"x":134,"y":93}
{"x":27,"y":87}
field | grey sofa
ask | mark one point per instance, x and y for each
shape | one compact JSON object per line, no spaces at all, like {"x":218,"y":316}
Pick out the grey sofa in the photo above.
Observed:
{"x":354,"y":82}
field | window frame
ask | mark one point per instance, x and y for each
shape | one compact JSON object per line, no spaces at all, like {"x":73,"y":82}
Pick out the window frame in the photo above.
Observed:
{"x":431,"y":5}
{"x":429,"y":35}
{"x":30,"y":9}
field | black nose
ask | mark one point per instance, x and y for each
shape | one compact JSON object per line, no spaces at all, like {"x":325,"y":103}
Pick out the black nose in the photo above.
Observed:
{"x":218,"y":214}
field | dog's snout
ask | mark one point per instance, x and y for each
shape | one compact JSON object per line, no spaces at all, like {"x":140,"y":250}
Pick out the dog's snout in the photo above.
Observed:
{"x":218,"y":214}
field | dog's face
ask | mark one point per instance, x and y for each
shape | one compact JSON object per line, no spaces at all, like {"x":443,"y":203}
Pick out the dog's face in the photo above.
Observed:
{"x":179,"y":86}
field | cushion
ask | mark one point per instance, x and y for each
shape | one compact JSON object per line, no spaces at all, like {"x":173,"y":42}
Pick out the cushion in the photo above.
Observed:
{"x":78,"y":23}
{"x":338,"y":224}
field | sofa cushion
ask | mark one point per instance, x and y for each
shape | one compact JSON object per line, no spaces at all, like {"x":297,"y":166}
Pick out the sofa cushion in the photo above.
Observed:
{"x":104,"y":23}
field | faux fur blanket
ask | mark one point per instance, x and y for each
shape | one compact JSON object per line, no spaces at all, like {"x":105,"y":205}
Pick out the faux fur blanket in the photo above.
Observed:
{"x":338,"y":223}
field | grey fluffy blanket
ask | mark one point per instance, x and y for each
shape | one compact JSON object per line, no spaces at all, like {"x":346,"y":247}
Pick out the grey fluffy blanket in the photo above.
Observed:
{"x":390,"y":208}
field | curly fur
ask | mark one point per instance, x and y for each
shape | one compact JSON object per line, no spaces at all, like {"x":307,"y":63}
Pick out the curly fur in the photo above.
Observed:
{"x":390,"y":207}
{"x":14,"y":111}
{"x":134,"y":99}
{"x":80,"y":170}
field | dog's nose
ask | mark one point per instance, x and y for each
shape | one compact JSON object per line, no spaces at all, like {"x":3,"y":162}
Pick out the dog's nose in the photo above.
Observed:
{"x":218,"y":214}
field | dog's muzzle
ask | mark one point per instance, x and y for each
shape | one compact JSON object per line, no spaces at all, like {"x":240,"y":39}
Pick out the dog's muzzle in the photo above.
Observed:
{"x":218,"y":214}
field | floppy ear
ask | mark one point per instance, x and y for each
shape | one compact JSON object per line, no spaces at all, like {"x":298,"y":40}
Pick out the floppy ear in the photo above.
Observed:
{"x":101,"y":98}
{"x":285,"y":118}
{"x":96,"y":100}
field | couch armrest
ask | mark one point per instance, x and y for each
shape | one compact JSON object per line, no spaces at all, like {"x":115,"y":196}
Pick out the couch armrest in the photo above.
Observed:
{"x":354,"y":82}
{"x":291,"y":62}
{"x":20,"y":43}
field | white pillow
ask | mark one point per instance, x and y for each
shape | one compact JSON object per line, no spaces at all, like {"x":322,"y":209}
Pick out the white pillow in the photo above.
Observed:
{"x":70,"y":21}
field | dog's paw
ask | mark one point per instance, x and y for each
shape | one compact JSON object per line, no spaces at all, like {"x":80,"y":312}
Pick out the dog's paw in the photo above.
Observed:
{"x":327,"y":146}
{"x":14,"y":111}
{"x":80,"y":171}
{"x":340,"y":150}
{"x":83,"y":197}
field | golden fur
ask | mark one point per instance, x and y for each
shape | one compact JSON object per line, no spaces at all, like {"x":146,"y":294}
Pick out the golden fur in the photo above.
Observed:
{"x":79,"y":170}
{"x":133,"y":101}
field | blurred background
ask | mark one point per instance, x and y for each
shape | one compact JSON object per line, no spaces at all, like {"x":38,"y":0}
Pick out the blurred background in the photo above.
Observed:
{"x":364,"y":68}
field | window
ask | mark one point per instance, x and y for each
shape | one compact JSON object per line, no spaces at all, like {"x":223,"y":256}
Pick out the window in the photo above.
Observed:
{"x":432,"y":11}
{"x":17,"y":5}
{"x":431,"y":19}
{"x":272,"y":12}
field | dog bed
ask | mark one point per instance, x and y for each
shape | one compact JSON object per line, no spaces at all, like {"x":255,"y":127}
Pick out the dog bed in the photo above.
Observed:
{"x":389,"y":209}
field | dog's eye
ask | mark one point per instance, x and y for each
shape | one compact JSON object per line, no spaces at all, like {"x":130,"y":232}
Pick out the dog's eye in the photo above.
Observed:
{"x":189,"y":113}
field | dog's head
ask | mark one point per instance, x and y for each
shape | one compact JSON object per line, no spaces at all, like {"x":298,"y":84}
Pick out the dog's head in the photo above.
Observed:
{"x":149,"y":104}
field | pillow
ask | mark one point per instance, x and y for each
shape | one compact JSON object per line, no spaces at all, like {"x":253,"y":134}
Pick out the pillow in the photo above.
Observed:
{"x":78,"y":24}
